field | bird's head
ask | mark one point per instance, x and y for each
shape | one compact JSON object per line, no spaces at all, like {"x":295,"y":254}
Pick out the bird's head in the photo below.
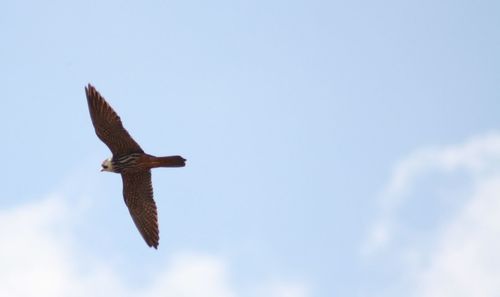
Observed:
{"x":107,"y":165}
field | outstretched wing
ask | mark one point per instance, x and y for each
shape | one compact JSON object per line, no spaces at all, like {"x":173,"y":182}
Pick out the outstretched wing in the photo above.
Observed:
{"x":138,"y":194}
{"x":108,"y":125}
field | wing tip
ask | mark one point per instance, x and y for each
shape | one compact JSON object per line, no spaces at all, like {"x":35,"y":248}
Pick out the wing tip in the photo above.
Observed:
{"x":90,"y":90}
{"x":88,"y":87}
{"x":153,"y":244}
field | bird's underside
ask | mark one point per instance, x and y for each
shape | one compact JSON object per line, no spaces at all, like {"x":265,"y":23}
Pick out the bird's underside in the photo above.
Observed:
{"x":132,"y":163}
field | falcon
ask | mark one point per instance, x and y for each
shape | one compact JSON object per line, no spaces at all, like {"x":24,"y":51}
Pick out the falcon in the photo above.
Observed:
{"x":132,"y":163}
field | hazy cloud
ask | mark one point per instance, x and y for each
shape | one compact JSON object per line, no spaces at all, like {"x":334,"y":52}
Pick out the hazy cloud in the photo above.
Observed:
{"x":460,"y":257}
{"x":39,"y":259}
{"x":479,"y":157}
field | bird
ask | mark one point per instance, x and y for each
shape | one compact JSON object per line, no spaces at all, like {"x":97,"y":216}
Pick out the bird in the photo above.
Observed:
{"x":132,"y":163}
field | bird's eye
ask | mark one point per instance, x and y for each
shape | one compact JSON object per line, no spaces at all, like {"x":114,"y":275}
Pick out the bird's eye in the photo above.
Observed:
{"x":105,"y":166}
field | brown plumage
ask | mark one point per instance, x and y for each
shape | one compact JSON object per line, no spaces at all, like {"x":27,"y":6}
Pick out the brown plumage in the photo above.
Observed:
{"x":132,"y":163}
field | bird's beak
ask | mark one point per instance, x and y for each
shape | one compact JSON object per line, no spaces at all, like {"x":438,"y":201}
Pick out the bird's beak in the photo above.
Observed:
{"x":102,"y":169}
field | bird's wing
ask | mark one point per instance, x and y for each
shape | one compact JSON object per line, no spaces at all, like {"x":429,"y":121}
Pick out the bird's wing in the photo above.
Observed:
{"x":108,"y":125}
{"x":138,"y":194}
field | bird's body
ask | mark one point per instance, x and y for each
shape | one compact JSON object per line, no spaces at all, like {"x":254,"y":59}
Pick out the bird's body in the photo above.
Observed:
{"x":132,"y":163}
{"x":140,"y":161}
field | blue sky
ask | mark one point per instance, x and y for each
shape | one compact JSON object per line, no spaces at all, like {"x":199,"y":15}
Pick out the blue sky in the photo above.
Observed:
{"x":335,"y":148}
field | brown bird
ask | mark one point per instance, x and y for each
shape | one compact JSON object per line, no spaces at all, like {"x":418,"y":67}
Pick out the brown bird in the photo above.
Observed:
{"x":132,"y":163}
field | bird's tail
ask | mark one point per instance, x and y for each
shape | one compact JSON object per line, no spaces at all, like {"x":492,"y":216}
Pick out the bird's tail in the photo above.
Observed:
{"x":170,"y":161}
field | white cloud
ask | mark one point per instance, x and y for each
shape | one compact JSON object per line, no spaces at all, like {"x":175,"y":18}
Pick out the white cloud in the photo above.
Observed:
{"x":479,"y":157}
{"x":460,"y":254}
{"x":38,"y":258}
{"x":36,"y":253}
{"x":464,"y":261}
{"x":475,"y":155}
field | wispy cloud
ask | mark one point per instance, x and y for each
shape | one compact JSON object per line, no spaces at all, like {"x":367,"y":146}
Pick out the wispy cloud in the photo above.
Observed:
{"x":464,"y":260}
{"x":38,"y":258}
{"x":479,"y":157}
{"x":460,"y":257}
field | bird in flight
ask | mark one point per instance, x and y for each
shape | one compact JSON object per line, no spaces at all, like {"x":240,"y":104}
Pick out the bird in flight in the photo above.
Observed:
{"x":132,"y":163}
